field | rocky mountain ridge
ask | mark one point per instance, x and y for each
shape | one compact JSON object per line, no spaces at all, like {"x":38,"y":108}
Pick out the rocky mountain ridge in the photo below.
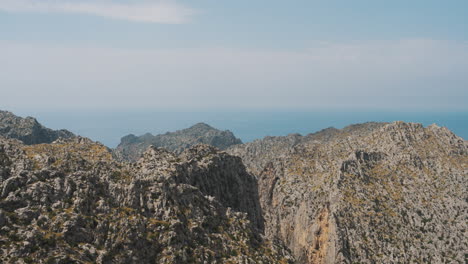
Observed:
{"x":395,"y":194}
{"x":368,"y":193}
{"x":131,"y":146}
{"x":257,"y":154}
{"x":70,"y":202}
{"x":28,"y":130}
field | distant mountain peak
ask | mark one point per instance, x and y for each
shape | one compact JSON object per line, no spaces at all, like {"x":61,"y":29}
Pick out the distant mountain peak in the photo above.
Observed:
{"x":132,"y":147}
{"x":28,"y":129}
{"x":202,"y":125}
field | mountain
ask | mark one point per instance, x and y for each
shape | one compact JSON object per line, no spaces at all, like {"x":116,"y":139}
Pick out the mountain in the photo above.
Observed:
{"x":368,"y":193}
{"x":257,"y":154}
{"x":371,"y":193}
{"x":131,"y":147}
{"x":28,"y":130}
{"x":71,"y":202}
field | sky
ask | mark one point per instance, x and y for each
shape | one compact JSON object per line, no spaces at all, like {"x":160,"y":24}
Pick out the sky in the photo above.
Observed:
{"x":208,"y":54}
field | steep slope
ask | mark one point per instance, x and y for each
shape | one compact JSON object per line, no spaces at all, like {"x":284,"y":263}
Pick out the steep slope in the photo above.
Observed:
{"x":131,"y":147}
{"x":28,"y":130}
{"x":394,"y":195}
{"x":70,"y":202}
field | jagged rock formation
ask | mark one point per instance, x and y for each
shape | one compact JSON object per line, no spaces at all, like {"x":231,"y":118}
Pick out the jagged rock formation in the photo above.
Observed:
{"x":28,"y":130}
{"x":257,"y":154}
{"x":131,"y":147}
{"x":394,"y":193}
{"x":70,"y":202}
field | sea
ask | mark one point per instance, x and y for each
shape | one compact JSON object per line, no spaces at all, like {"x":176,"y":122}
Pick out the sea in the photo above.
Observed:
{"x":108,"y":127}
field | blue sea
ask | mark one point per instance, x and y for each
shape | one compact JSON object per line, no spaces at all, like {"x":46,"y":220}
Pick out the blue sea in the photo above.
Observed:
{"x":108,"y":127}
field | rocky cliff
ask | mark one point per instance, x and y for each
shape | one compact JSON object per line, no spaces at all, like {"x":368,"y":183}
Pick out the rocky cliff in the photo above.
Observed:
{"x":384,"y":193}
{"x":70,"y":202}
{"x":131,"y":147}
{"x":28,"y":130}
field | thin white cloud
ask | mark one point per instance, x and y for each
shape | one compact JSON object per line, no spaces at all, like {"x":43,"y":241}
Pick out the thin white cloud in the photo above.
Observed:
{"x":163,"y":11}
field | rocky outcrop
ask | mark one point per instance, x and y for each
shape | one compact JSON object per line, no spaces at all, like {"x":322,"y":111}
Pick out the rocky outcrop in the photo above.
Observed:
{"x":131,"y":147}
{"x":257,"y":154}
{"x":71,"y":202}
{"x":28,"y":130}
{"x":394,"y":194}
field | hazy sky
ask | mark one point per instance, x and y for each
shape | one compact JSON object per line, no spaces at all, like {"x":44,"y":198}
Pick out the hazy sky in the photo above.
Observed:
{"x":211,"y":54}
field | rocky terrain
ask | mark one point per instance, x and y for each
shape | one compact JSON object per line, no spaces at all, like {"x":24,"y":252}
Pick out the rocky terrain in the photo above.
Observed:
{"x":131,"y":147}
{"x":28,"y":130}
{"x":70,"y":202}
{"x":385,"y":193}
{"x":368,"y":193}
{"x":257,"y":154}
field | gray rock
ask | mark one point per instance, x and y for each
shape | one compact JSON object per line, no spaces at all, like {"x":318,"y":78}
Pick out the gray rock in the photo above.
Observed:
{"x":3,"y":219}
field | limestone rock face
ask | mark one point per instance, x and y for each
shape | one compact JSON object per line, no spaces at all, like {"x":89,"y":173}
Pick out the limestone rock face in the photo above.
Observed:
{"x":28,"y":130}
{"x":71,"y":202}
{"x":395,"y":193}
{"x":131,"y":147}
